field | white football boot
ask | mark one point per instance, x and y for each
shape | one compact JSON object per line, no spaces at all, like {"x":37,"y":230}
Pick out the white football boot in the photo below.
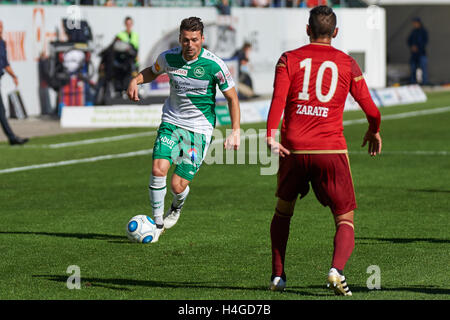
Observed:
{"x":158,"y":233}
{"x":171,"y":217}
{"x":277,"y":284}
{"x":337,"y":283}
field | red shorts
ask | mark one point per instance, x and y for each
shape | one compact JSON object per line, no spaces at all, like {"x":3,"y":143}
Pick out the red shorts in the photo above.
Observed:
{"x":329,"y":175}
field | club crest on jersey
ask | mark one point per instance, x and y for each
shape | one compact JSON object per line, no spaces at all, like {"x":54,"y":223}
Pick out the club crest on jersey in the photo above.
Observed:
{"x":199,"y":71}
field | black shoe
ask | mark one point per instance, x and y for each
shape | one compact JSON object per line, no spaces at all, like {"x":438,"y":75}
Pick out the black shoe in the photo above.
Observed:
{"x":17,"y":140}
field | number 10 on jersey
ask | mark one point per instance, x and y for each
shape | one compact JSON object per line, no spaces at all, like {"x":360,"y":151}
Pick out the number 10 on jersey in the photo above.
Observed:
{"x":306,"y":64}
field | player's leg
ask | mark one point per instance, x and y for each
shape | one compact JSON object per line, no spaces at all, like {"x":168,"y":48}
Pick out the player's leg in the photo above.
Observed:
{"x":333,"y":185}
{"x":157,"y":192}
{"x":180,"y":191}
{"x":344,"y":240}
{"x":344,"y":243}
{"x":194,"y":147}
{"x":158,"y":188}
{"x":165,"y":145}
{"x":279,"y":235}
{"x":291,"y":182}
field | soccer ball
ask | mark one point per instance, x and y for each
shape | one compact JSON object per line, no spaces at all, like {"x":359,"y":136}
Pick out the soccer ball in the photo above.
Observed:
{"x":141,"y":229}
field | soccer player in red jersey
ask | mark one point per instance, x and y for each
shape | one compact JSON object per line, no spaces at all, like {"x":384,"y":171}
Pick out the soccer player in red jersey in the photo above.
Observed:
{"x":311,"y":85}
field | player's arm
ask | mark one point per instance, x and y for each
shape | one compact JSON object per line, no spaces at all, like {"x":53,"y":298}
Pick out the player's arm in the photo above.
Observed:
{"x":278,"y":103}
{"x":145,"y":76}
{"x":360,"y":92}
{"x":233,"y":141}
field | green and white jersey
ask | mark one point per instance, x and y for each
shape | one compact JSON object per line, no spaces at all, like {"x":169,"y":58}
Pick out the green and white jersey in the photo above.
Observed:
{"x":192,"y":100}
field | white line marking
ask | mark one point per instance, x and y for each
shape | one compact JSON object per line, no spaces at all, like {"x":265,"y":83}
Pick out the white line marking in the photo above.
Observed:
{"x":87,"y":141}
{"x":149,"y":151}
{"x":100,"y":158}
{"x":406,"y":152}
{"x":76,"y":161}
{"x":152,"y":133}
{"x":100,"y":140}
{"x":401,"y":115}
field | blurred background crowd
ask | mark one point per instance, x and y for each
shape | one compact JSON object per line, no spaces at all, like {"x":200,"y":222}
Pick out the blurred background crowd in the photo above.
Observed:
{"x":197,"y":3}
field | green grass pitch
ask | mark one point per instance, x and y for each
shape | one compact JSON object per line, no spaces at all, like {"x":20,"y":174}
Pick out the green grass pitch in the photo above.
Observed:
{"x":52,"y":218}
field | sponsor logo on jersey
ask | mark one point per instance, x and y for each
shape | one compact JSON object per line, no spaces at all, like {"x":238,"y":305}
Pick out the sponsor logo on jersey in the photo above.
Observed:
{"x":181,"y":72}
{"x":199,"y":71}
{"x":312,"y":110}
{"x":167,"y":142}
{"x":219,"y":75}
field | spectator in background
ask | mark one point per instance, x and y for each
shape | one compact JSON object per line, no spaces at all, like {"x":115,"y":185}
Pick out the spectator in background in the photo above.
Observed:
{"x":110,"y":3}
{"x":4,"y":66}
{"x":315,"y":3}
{"x":128,"y":35}
{"x":261,"y":3}
{"x":417,"y":41}
{"x":295,"y":3}
{"x":131,"y":37}
{"x":224,"y":7}
{"x":276,"y":4}
{"x":245,"y":81}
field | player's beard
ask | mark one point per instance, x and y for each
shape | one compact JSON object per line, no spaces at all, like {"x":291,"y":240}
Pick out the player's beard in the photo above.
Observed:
{"x":191,"y":53}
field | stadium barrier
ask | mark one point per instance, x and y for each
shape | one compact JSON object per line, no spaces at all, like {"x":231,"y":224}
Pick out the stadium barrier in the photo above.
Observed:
{"x":251,"y":112}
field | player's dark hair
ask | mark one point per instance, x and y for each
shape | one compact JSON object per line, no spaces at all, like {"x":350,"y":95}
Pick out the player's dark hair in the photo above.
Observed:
{"x":322,"y":22}
{"x":128,"y":18}
{"x":192,"y":24}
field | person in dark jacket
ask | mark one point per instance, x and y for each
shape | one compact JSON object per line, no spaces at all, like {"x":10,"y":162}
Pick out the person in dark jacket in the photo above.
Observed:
{"x":4,"y":66}
{"x":417,"y":41}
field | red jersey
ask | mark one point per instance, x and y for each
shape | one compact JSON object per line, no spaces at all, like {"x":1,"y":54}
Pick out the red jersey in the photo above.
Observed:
{"x":311,"y":86}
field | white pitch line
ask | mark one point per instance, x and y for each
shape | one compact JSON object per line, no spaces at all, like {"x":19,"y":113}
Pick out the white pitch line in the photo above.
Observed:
{"x":101,"y":158}
{"x":401,"y":115}
{"x":89,"y":141}
{"x":152,"y":133}
{"x":406,"y":152}
{"x":99,"y":140}
{"x":76,"y":161}
{"x":261,"y":134}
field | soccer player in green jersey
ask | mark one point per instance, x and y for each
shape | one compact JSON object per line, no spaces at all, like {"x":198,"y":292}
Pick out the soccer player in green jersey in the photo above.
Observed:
{"x":188,"y":118}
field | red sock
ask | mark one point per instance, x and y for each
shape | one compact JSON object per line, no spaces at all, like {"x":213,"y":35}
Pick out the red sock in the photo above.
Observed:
{"x":344,"y":242}
{"x":279,"y":234}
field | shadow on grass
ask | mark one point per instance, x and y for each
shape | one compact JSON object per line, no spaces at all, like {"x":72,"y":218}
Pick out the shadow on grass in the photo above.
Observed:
{"x":311,"y":291}
{"x":405,"y":240}
{"x":415,"y":289}
{"x":429,"y":190}
{"x":125,"y":284}
{"x":92,"y":236}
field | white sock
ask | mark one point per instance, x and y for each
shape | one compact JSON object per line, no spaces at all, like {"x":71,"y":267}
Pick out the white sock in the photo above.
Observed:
{"x":157,"y":192}
{"x":180,"y":198}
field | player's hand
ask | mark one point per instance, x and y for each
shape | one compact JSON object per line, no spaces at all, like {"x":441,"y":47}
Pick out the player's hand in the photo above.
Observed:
{"x":132,"y":91}
{"x":233,"y":141}
{"x":277,"y":147}
{"x":374,"y":140}
{"x":16,"y":81}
